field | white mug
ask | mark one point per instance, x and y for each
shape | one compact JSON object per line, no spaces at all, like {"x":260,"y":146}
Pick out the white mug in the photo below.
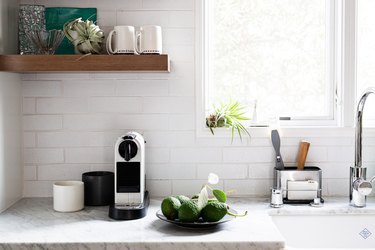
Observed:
{"x":149,"y":40}
{"x":123,"y":42}
{"x":68,"y":196}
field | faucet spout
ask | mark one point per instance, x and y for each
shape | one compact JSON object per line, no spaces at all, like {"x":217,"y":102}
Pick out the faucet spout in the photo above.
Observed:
{"x":358,"y":127}
{"x":359,"y":187}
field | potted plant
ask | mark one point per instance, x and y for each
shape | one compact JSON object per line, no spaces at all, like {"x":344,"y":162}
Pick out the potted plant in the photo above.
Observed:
{"x":86,"y":36}
{"x":228,"y":115}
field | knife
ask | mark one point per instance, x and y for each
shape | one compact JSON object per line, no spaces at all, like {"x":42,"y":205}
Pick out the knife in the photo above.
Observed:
{"x":275,"y":137}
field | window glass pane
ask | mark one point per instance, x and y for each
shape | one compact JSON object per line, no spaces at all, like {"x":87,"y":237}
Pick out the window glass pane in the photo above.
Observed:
{"x":271,"y":51}
{"x":366,"y":55}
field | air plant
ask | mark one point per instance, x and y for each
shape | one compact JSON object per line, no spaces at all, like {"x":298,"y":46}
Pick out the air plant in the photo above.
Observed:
{"x":229,"y":115}
{"x":86,"y":36}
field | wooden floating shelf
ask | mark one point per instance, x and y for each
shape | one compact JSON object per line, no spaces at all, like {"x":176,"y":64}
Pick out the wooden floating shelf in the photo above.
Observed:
{"x":68,"y":63}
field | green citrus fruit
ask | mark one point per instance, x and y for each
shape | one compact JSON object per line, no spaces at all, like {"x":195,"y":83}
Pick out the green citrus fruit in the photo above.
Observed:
{"x":170,"y":206}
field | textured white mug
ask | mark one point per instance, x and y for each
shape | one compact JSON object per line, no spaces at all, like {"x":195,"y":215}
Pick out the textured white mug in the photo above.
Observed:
{"x":68,"y":196}
{"x":149,"y":40}
{"x":123,"y":41}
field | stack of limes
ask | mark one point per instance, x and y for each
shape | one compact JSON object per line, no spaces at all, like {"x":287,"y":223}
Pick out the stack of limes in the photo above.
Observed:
{"x":186,"y":210}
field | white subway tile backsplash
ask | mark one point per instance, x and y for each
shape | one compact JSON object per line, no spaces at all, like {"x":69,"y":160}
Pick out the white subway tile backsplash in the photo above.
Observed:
{"x":181,"y":53}
{"x":170,"y":171}
{"x":157,"y":155}
{"x":259,"y":187}
{"x":41,"y":88}
{"x":43,"y":156}
{"x":178,"y":36}
{"x":212,"y":141}
{"x":248,"y":155}
{"x":182,"y":19}
{"x":224,"y":171}
{"x":315,"y":153}
{"x":168,"y":4}
{"x":181,"y":122}
{"x":89,"y":155}
{"x":142,"y":88}
{"x":42,"y":122}
{"x":190,"y":187}
{"x":62,"y":76}
{"x":334,"y":170}
{"x":28,"y":76}
{"x":102,"y":167}
{"x":341,"y":154}
{"x":61,"y":105}
{"x":28,"y":105}
{"x":196,"y":155}
{"x":159,"y":188}
{"x":115,"y":105}
{"x":29,"y":139}
{"x":37,"y":188}
{"x":90,"y":122}
{"x":140,"y":18}
{"x":65,"y":3}
{"x":117,"y":4}
{"x":82,"y":88}
{"x":114,"y":76}
{"x":142,"y":122}
{"x":261,"y":170}
{"x":174,"y":105}
{"x":77,"y":139}
{"x":368,"y":154}
{"x":115,"y":121}
{"x":29,"y":173}
{"x":169,"y":138}
{"x":337,"y":187}
{"x":62,"y":172}
{"x":181,"y":87}
{"x":106,"y":18}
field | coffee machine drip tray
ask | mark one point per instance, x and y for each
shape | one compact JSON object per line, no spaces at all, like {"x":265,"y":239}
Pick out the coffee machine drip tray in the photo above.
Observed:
{"x":125,"y":212}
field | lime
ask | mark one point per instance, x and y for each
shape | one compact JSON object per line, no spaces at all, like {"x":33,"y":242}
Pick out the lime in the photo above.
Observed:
{"x":214,"y":211}
{"x":170,"y":206}
{"x":182,"y":198}
{"x":188,"y":212}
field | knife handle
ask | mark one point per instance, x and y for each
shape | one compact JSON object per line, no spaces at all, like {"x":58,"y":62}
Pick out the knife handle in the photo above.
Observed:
{"x":302,"y":154}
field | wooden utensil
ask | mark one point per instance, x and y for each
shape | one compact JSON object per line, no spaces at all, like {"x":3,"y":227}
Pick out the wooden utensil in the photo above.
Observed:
{"x":302,"y":154}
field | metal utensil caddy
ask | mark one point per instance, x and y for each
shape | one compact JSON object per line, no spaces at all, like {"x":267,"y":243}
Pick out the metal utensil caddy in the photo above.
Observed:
{"x":283,"y":176}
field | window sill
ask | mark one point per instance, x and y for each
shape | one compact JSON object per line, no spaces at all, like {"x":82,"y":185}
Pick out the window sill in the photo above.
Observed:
{"x":265,"y":132}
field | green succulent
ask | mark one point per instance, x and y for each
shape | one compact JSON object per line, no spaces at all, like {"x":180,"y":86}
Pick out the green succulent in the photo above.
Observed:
{"x":86,"y":36}
{"x":230,"y":115}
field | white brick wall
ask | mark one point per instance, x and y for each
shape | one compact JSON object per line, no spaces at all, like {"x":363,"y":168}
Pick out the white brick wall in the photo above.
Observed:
{"x":71,"y":120}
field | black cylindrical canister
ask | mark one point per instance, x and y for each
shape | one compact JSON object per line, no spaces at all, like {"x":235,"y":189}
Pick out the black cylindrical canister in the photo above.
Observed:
{"x":99,"y":188}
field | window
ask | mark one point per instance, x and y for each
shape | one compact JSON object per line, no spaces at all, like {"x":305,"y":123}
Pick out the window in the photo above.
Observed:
{"x":278,"y":54}
{"x":366,"y":55}
{"x":307,"y":60}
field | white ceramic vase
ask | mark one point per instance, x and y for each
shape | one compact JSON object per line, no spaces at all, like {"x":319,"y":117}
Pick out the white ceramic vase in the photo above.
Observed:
{"x":68,"y":196}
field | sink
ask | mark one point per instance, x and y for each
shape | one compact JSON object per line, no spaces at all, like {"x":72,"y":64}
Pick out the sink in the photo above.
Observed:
{"x":346,"y":231}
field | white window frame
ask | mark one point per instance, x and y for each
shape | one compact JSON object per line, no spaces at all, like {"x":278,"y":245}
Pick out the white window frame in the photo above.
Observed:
{"x":343,"y":76}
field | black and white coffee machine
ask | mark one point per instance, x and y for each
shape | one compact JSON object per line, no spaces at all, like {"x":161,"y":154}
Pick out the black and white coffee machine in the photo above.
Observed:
{"x":131,"y":197}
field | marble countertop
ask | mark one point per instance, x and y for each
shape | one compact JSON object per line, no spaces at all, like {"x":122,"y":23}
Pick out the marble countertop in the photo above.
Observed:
{"x":33,"y":224}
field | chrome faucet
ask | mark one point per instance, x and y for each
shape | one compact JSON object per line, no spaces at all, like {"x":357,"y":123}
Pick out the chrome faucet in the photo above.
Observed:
{"x":359,"y":186}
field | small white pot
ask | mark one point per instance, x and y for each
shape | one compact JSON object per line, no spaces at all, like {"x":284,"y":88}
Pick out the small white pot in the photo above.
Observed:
{"x":68,"y":196}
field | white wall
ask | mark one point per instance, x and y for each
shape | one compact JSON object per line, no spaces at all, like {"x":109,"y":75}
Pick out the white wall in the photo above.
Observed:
{"x":10,"y":112}
{"x":71,"y":121}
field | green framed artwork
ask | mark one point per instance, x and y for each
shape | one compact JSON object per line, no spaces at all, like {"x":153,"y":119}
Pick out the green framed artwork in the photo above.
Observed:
{"x":57,"y":17}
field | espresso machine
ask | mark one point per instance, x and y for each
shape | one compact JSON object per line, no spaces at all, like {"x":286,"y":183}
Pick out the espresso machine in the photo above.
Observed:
{"x":131,"y":197}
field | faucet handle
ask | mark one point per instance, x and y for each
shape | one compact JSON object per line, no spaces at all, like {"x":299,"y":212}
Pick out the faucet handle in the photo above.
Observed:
{"x":362,"y":186}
